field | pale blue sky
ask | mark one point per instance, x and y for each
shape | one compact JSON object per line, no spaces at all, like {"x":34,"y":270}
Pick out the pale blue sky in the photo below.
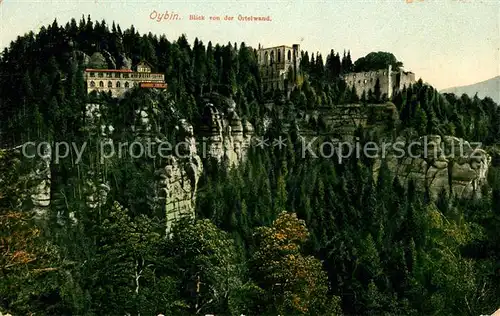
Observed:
{"x":445,"y":42}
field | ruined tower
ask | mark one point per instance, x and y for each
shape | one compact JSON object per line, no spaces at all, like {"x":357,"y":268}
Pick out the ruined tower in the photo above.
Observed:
{"x":278,"y":65}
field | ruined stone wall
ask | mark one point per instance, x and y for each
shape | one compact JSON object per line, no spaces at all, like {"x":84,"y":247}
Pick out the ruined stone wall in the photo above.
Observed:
{"x":389,"y":84}
{"x":403,"y":79}
{"x":366,"y":81}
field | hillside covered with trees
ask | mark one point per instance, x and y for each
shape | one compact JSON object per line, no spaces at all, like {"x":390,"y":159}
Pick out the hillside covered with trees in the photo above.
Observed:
{"x":278,"y":234}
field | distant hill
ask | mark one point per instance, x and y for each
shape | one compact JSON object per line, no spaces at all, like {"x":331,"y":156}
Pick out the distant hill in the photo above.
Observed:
{"x":489,"y":88}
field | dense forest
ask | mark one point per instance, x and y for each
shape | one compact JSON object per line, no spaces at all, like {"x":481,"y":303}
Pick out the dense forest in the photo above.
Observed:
{"x":277,"y":235}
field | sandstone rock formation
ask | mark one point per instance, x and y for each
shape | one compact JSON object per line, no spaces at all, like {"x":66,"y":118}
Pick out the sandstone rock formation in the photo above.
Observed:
{"x":109,"y":59}
{"x":80,"y":56}
{"x":178,"y":178}
{"x":125,"y":61}
{"x":225,"y":135}
{"x":96,"y":194}
{"x":98,"y":61}
{"x":341,"y":121}
{"x":40,"y":194}
{"x":436,"y":164}
{"x":34,"y":184}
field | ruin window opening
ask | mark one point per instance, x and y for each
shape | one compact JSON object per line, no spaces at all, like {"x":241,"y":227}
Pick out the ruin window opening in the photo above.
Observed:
{"x":101,"y":84}
{"x":289,"y":55}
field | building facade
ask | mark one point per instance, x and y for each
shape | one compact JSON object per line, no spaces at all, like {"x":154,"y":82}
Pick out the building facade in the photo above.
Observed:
{"x":276,"y":64}
{"x":119,"y":81}
{"x":390,"y":81}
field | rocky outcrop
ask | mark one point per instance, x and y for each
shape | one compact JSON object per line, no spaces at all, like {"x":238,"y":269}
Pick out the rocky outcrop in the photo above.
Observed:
{"x":436,"y":164}
{"x":342,"y":120}
{"x":81,"y":57}
{"x":177,"y":180}
{"x":109,"y":59}
{"x":124,"y":61}
{"x":32,"y":187}
{"x":98,"y":61}
{"x":40,"y":194}
{"x":225,"y":136}
{"x":96,"y":194}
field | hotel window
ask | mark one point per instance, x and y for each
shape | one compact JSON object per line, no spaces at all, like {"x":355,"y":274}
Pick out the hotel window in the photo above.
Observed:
{"x":118,"y":84}
{"x":289,"y":55}
{"x":126,"y":84}
{"x":100,"y":75}
{"x":109,"y":75}
{"x":117,"y":75}
{"x":110,"y":84}
{"x":101,"y":84}
{"x":92,"y":74}
{"x":125,"y":75}
{"x":92,"y":84}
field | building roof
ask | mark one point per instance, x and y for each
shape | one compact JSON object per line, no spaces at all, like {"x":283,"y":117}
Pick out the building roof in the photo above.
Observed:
{"x":144,"y":62}
{"x":108,"y":70}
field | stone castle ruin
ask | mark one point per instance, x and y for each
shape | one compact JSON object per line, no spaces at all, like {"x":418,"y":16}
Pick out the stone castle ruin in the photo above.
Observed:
{"x":390,"y":81}
{"x":276,"y":64}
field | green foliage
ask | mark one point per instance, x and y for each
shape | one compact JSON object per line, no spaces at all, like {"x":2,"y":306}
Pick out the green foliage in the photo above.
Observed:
{"x":377,"y":61}
{"x":204,"y":261}
{"x":292,"y":283}
{"x":357,"y":245}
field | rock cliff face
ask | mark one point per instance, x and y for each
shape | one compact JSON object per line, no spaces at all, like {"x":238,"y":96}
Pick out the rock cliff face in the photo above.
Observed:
{"x":341,"y":121}
{"x":177,"y":180}
{"x":104,"y":60}
{"x":32,"y":186}
{"x":40,"y":193}
{"x":224,"y":135}
{"x":436,"y":164}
